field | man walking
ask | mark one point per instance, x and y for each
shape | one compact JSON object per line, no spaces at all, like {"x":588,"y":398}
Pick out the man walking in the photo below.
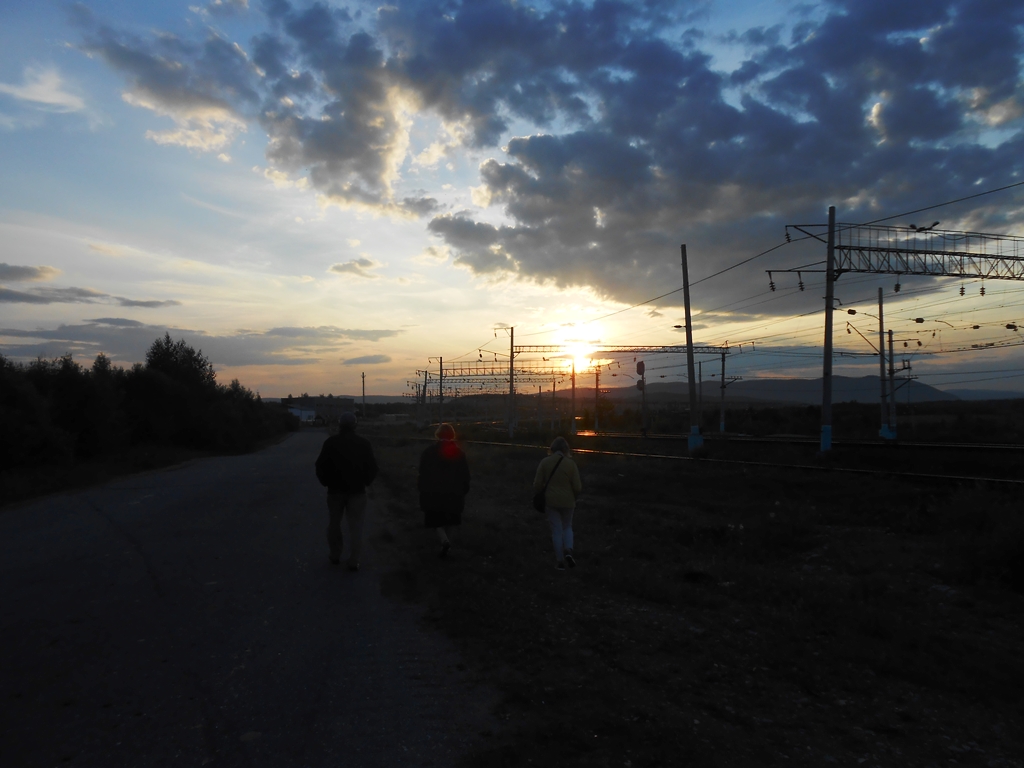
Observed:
{"x":346,"y":466}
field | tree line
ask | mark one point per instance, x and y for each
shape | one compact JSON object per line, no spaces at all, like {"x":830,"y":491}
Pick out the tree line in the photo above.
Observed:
{"x":58,"y":412}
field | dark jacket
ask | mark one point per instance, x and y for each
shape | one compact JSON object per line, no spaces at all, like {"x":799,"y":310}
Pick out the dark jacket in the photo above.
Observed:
{"x":443,"y":484}
{"x":346,"y":463}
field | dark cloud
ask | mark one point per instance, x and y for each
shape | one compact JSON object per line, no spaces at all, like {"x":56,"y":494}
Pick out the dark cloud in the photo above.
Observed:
{"x":635,"y":142}
{"x":358,"y":267}
{"x":126,"y":342}
{"x":77,"y":296}
{"x":15,"y":273}
{"x":367,"y":360}
{"x":121,"y":321}
{"x":865,"y":106}
{"x":227,"y":7}
{"x":149,"y":304}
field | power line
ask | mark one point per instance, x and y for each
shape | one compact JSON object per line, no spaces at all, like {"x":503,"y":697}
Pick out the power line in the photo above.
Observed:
{"x":940,"y":205}
{"x":780,"y":245}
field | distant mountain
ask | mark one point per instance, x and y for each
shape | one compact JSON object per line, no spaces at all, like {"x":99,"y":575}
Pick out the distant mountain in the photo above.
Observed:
{"x":358,"y":399}
{"x":784,"y":392}
{"x":985,"y":394}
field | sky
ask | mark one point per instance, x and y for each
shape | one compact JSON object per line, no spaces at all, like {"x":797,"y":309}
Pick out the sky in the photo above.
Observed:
{"x":313,"y":191}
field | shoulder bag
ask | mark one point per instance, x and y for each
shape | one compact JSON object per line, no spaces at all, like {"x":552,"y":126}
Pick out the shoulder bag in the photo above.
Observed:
{"x":538,"y":497}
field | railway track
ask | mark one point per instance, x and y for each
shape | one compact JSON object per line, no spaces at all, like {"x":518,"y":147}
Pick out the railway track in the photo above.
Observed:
{"x":801,"y":440}
{"x":928,"y":476}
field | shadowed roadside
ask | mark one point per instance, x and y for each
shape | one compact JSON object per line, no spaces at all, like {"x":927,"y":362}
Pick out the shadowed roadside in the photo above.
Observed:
{"x":192,"y":613}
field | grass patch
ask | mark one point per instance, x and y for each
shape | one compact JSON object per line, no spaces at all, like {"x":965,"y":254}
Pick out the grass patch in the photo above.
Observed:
{"x":722,"y":616}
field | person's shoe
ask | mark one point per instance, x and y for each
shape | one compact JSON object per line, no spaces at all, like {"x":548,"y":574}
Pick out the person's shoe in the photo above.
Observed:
{"x":334,"y":560}
{"x":569,"y":560}
{"x":445,"y":546}
{"x":560,"y":566}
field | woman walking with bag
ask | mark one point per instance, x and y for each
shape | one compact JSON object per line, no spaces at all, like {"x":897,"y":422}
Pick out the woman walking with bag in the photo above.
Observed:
{"x":558,"y":482}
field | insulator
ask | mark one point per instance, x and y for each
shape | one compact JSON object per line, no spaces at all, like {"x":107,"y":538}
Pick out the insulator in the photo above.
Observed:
{"x":905,"y":344}
{"x":800,"y":278}
{"x":771,"y":283}
{"x":983,"y":290}
{"x":788,"y":238}
{"x":896,"y":288}
{"x":961,"y":290}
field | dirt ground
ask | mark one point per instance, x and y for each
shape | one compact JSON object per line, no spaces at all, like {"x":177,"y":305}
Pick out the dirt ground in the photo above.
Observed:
{"x":729,"y":616}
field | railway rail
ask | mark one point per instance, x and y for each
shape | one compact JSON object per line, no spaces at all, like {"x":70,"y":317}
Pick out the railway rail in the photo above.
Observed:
{"x":800,"y":440}
{"x":760,"y":464}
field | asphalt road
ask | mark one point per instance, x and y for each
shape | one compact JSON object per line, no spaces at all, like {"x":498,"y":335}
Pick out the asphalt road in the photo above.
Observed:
{"x":190,"y":616}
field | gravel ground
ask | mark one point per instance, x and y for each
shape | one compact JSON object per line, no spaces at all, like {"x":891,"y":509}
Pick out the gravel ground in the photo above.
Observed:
{"x":191,"y":616}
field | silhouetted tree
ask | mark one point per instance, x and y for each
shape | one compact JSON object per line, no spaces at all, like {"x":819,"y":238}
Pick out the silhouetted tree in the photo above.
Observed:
{"x":180,"y":362}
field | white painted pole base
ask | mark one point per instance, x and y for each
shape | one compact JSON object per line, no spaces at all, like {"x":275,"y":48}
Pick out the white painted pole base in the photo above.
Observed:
{"x":695,"y":439}
{"x":826,"y":438}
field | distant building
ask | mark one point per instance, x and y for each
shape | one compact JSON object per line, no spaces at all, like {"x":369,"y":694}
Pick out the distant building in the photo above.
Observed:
{"x":321,"y":409}
{"x":304,"y":414}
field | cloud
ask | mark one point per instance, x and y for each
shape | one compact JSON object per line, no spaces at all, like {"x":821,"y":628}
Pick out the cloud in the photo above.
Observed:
{"x":15,"y":274}
{"x":149,"y":304}
{"x":367,"y":360}
{"x":433,"y":255}
{"x":359,"y":267}
{"x":227,"y":7}
{"x":606,"y":132}
{"x":205,"y":88}
{"x":78,"y":296}
{"x":126,"y":341}
{"x":44,"y":89}
{"x":119,"y":321}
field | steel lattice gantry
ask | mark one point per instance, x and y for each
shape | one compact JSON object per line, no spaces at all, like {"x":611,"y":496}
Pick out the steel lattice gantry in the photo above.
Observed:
{"x":895,"y":250}
{"x":612,"y":349}
{"x":877,"y":249}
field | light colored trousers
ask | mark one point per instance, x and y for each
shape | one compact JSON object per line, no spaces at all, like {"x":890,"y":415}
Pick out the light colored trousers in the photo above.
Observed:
{"x":560,"y":519}
{"x":352,"y":505}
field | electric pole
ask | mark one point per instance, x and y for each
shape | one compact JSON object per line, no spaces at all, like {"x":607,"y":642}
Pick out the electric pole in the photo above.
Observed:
{"x":572,"y":413}
{"x":700,"y":392}
{"x":892,"y":389}
{"x":886,"y":430}
{"x":511,"y":381}
{"x":826,"y":373}
{"x":363,"y":374}
{"x":721,"y":415}
{"x":641,"y":370}
{"x":554,"y":406}
{"x":597,"y":394}
{"x":440,"y":391}
{"x":695,"y":440}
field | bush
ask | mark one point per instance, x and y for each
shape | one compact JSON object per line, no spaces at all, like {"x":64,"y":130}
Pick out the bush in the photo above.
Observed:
{"x":56,"y":412}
